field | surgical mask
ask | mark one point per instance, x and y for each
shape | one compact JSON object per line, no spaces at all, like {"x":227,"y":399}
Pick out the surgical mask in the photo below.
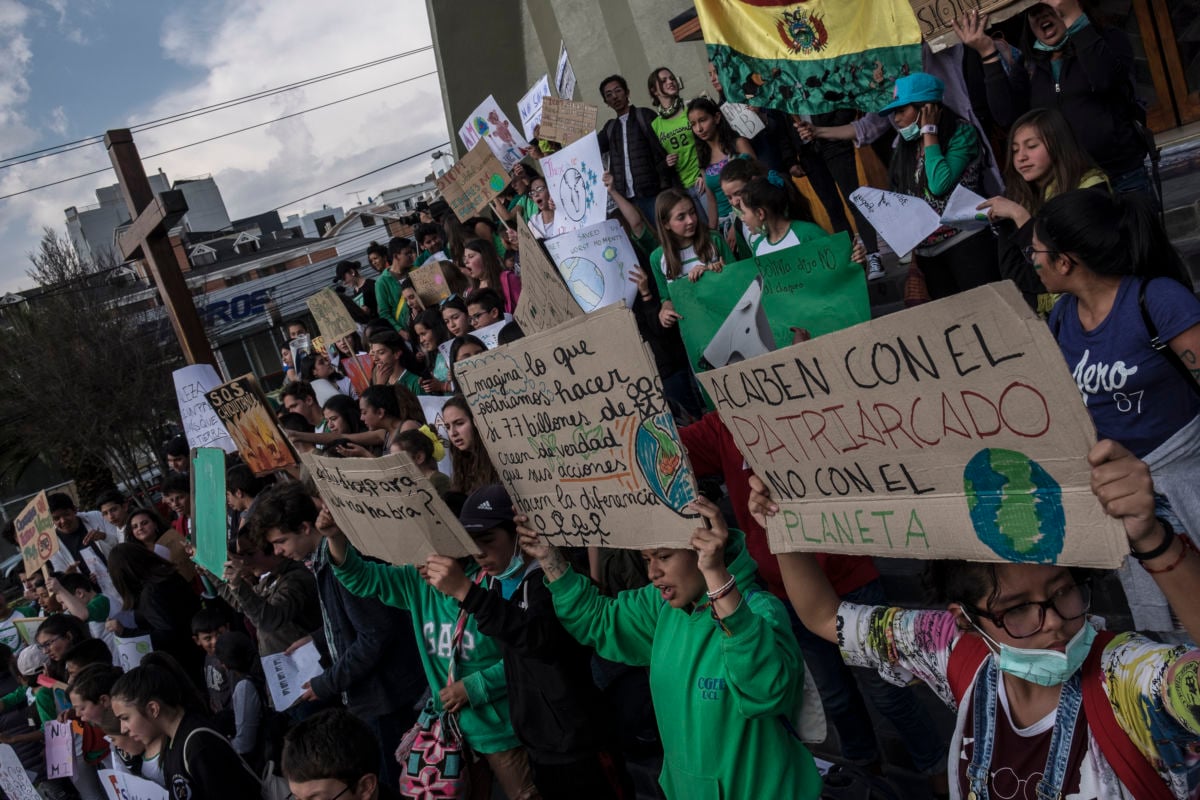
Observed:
{"x":514,"y":566}
{"x":910,"y":132}
{"x":1045,"y":667}
{"x":1076,"y":26}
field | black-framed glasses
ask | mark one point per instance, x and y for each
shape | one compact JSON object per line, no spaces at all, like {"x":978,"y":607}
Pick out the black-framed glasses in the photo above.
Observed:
{"x":335,"y":797}
{"x":1025,"y":619}
{"x":45,"y":646}
{"x":1030,"y":251}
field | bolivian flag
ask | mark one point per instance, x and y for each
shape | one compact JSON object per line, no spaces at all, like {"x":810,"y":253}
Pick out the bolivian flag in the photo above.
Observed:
{"x":811,"y":57}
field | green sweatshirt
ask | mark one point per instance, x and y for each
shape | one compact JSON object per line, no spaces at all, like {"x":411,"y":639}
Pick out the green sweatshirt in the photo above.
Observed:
{"x":485,"y":722}
{"x":721,"y":698}
{"x":942,"y":170}
{"x":387,"y":298}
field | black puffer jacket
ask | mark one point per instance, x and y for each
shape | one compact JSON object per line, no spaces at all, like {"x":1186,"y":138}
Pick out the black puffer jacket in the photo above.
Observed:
{"x":647,"y":159}
{"x":1094,"y":91}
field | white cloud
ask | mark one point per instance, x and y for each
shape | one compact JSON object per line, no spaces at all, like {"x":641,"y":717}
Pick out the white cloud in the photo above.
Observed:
{"x":58,"y":121}
{"x":238,"y":47}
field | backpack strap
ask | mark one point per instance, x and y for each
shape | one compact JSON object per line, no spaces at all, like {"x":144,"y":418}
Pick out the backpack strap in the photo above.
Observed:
{"x":1158,"y":344}
{"x":965,"y":660}
{"x":187,"y":768}
{"x":1130,"y":765}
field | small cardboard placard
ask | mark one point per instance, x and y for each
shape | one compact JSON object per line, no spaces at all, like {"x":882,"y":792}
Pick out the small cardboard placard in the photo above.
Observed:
{"x":200,"y":423}
{"x":473,"y":182}
{"x":935,"y":16}
{"x":576,"y":423}
{"x":566,"y":121}
{"x":545,"y":302}
{"x":953,"y":430}
{"x":60,"y":750}
{"x":246,"y":413}
{"x":209,"y":509}
{"x":331,"y":315}
{"x":388,"y":509}
{"x":431,"y":282}
{"x":35,"y":533}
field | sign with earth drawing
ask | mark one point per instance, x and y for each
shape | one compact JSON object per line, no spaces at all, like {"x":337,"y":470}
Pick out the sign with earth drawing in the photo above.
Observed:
{"x":953,"y":430}
{"x":575,"y":421}
{"x":573,"y":180}
{"x":595,"y":263}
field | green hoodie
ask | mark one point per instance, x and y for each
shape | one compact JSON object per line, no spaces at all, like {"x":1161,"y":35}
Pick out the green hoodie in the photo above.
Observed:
{"x":484,"y":722}
{"x":720,"y":698}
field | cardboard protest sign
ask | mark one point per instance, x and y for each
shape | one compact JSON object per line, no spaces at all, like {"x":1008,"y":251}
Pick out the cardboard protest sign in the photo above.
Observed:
{"x":358,"y":369}
{"x":388,"y":509}
{"x":953,"y":430}
{"x":903,"y":221}
{"x":246,"y":414}
{"x":27,"y":628}
{"x":935,"y":16}
{"x":430,"y":281}
{"x":123,"y":786}
{"x":35,"y":533}
{"x":287,"y":674}
{"x":472,"y":182}
{"x":60,"y":750}
{"x":489,"y":335}
{"x":14,"y":780}
{"x":209,"y":509}
{"x":750,"y":307}
{"x":200,"y":423}
{"x":575,"y":421}
{"x":566,"y":121}
{"x":488,"y":124}
{"x":573,"y":180}
{"x":545,"y":301}
{"x":742,"y":119}
{"x":331,"y":315}
{"x":530,"y":106}
{"x":564,"y":74}
{"x":594,"y":263}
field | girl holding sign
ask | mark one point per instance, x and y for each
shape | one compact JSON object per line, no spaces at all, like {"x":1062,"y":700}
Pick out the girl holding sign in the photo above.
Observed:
{"x":722,"y":658}
{"x":1017,"y":656}
{"x":774,"y":225}
{"x":688,"y":248}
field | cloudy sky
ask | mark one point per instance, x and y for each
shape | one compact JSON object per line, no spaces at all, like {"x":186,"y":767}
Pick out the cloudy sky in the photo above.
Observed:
{"x":70,"y":69}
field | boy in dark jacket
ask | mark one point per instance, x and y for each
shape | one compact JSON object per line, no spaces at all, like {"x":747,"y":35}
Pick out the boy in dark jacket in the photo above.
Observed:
{"x":556,"y":710}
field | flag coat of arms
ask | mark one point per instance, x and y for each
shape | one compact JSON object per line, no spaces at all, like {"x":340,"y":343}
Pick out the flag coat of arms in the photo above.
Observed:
{"x":811,"y":57}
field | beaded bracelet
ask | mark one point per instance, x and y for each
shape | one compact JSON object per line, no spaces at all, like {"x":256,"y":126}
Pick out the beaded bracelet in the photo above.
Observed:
{"x":724,"y":590}
{"x":1183,"y":551}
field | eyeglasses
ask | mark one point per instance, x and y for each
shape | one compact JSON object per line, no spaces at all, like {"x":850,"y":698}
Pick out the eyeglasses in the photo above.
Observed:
{"x":45,"y":646}
{"x":1030,"y":251}
{"x":478,"y":315}
{"x":537,"y":189}
{"x":291,"y":796}
{"x":1024,"y":620}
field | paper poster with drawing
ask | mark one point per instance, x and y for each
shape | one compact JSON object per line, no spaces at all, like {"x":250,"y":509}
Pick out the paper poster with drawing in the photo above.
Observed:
{"x":949,"y":431}
{"x":594,"y":263}
{"x":902,"y":220}
{"x":487,"y":123}
{"x":530,"y":106}
{"x":573,"y":179}
{"x":564,"y":74}
{"x":247,"y":415}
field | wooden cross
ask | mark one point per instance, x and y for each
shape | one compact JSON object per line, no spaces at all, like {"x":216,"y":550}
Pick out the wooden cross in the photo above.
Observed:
{"x":147,"y":238}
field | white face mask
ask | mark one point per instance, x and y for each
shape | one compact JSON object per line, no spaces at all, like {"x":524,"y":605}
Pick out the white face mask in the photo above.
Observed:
{"x":910,"y":132}
{"x":1044,"y":667}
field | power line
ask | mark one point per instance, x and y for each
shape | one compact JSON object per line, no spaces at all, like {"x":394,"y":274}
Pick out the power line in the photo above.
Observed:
{"x":220,"y":135}
{"x":89,"y":141}
{"x":357,"y":177}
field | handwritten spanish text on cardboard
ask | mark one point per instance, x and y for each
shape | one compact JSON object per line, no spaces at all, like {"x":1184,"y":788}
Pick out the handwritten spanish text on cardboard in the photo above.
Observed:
{"x":953,"y":430}
{"x":388,"y":509}
{"x":473,"y":182}
{"x":575,"y":421}
{"x":35,"y":533}
{"x":246,"y":413}
{"x":935,"y":16}
{"x":331,"y":315}
{"x":545,"y":301}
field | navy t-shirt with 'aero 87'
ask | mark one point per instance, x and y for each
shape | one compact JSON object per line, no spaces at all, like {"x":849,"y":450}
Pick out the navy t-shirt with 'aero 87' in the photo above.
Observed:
{"x":1134,"y":394}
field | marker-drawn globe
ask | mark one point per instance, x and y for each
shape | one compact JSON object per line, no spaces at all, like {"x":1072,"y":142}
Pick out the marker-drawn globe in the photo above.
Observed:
{"x":497,"y":183}
{"x":1015,"y":505}
{"x":585,"y":280}
{"x":573,"y":189}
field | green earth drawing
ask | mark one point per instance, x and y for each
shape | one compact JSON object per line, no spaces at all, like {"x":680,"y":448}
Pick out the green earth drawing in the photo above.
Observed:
{"x":1015,"y":505}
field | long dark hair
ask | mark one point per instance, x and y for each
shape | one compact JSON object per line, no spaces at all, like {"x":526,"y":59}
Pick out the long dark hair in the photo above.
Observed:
{"x":133,"y":568}
{"x":470,"y":468}
{"x":347,"y":409}
{"x":903,"y":172}
{"x":775,"y":199}
{"x":430,"y":318}
{"x":1069,"y":163}
{"x":67,"y":627}
{"x":727,"y":137}
{"x":160,"y":526}
{"x":1109,"y":234}
{"x":159,"y":678}
{"x":492,"y":267}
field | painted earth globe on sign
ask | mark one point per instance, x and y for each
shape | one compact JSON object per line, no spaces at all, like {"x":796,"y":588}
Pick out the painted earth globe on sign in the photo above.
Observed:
{"x":1016,"y":506}
{"x":585,"y":280}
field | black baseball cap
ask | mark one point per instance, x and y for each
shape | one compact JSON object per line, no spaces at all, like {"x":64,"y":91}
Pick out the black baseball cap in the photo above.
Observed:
{"x":486,"y":508}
